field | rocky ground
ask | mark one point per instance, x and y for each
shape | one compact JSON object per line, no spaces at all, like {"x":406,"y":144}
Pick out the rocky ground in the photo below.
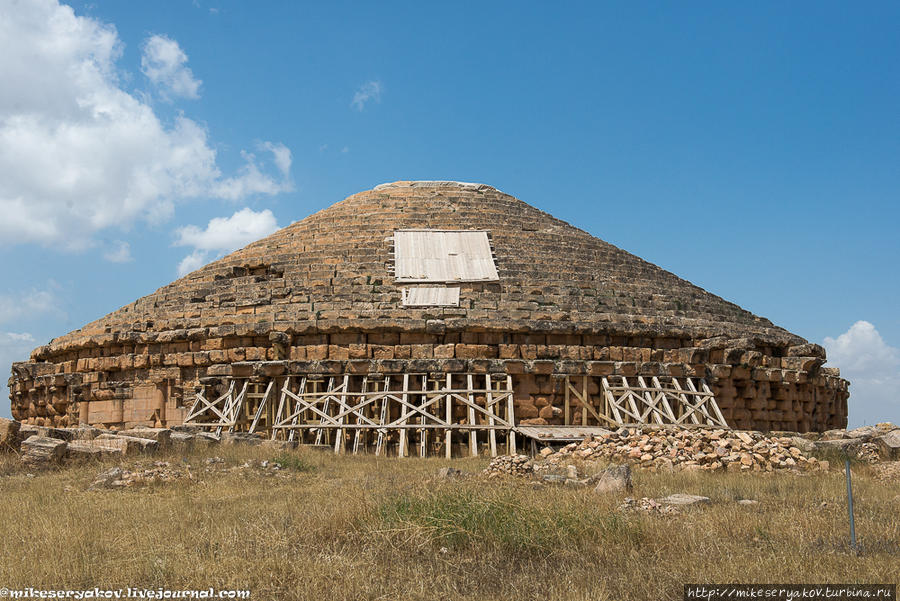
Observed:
{"x":653,"y":449}
{"x":583,"y":464}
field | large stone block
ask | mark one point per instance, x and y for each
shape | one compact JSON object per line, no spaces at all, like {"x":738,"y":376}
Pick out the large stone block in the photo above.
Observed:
{"x":43,"y":450}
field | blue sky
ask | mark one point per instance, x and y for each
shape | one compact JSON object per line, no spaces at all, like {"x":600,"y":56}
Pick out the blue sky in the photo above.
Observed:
{"x":752,"y":149}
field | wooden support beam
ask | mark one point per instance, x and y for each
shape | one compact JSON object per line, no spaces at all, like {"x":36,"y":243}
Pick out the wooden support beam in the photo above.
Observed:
{"x":473,"y":435}
{"x":510,"y":416}
{"x":492,"y":435}
{"x":448,"y":413}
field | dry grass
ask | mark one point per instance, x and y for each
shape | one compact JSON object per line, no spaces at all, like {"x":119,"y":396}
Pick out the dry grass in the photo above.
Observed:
{"x":366,"y":528}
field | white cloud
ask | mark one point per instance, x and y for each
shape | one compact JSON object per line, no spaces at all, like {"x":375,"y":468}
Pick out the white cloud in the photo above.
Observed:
{"x":250,"y":180}
{"x":371,"y":90}
{"x":80,"y":154}
{"x":164,"y":63}
{"x":119,"y":253}
{"x":27,"y":304}
{"x":873,"y":368}
{"x":222,"y":235}
{"x":192,"y":262}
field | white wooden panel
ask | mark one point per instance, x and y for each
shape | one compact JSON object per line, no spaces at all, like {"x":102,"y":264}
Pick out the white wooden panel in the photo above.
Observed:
{"x":443,"y":256}
{"x":430,"y":296}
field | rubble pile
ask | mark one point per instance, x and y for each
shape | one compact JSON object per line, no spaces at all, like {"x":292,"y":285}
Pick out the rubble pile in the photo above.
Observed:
{"x":646,"y":505}
{"x":509,"y":465}
{"x":143,"y":474}
{"x":695,"y":449}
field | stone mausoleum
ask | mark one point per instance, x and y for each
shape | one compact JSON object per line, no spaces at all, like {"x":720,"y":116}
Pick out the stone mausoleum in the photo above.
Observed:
{"x":423,"y":317}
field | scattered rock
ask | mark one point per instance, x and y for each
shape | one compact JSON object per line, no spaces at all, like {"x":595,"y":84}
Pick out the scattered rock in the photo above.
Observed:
{"x":280,"y":445}
{"x":646,"y":505}
{"x":104,"y":479}
{"x":510,"y":465}
{"x":868,"y":452}
{"x":117,"y":477}
{"x":616,"y":478}
{"x":888,"y":471}
{"x":689,"y":450}
{"x":748,"y":502}
{"x":449,"y":473}
{"x":684,"y":500}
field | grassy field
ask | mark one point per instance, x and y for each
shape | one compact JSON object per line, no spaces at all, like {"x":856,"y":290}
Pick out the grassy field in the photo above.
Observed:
{"x":327,"y":527}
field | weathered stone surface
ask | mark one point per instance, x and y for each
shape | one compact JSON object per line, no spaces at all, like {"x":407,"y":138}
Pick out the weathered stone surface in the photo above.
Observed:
{"x":280,"y":445}
{"x":80,"y":450}
{"x":448,"y":473}
{"x":510,"y":465}
{"x":889,"y":445}
{"x":160,"y":435}
{"x":840,"y":445}
{"x":240,"y":438}
{"x":129,"y":444}
{"x":43,"y":450}
{"x":613,"y":479}
{"x":682,"y":499}
{"x":92,"y":449}
{"x":836,"y":434}
{"x":863,"y":432}
{"x":181,"y":439}
{"x":86,"y":433}
{"x":306,"y":300}
{"x":680,"y":450}
{"x":9,"y":435}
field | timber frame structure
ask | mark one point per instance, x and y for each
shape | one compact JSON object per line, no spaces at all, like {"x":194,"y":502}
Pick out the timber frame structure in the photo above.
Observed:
{"x":451,"y":414}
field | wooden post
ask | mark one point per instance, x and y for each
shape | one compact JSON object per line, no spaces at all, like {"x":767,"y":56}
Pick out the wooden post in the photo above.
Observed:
{"x":566,"y":410}
{"x":379,"y":445}
{"x":511,"y":416}
{"x":492,"y":435}
{"x":584,"y":401}
{"x":473,"y":435}
{"x":423,"y":432}
{"x":339,"y":432}
{"x":448,"y":412}
{"x":362,"y":411}
{"x":401,"y":451}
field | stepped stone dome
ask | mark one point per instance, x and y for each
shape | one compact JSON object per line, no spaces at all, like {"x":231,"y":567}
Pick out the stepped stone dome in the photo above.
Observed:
{"x":426,"y":277}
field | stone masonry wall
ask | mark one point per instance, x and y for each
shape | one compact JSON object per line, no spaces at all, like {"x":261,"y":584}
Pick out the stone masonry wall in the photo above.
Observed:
{"x":126,"y":385}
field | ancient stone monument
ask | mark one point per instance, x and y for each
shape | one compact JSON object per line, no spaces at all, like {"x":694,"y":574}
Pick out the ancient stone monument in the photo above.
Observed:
{"x":425,"y":317}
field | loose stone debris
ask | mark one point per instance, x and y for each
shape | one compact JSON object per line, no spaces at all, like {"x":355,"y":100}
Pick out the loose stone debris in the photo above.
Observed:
{"x":40,"y":446}
{"x":646,"y":505}
{"x":164,"y":471}
{"x":728,"y":450}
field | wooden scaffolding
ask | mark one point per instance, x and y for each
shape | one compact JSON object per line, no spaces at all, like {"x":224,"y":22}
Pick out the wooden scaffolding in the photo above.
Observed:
{"x":442,"y":414}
